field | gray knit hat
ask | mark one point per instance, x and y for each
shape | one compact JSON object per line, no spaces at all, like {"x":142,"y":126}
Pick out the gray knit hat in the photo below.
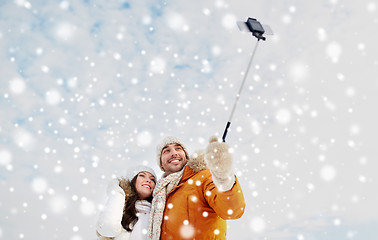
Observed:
{"x":166,"y":141}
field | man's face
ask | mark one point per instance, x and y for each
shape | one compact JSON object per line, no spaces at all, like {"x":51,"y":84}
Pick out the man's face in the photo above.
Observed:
{"x":172,"y":158}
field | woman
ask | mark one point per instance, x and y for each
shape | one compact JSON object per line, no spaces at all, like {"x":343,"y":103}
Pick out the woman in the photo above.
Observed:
{"x":127,"y":211}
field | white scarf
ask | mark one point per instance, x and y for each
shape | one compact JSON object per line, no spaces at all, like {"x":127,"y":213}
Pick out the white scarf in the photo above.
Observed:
{"x":139,"y":231}
{"x":162,"y":188}
{"x":142,"y":206}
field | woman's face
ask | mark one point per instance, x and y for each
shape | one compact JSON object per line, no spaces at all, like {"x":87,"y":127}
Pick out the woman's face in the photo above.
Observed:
{"x":144,"y":185}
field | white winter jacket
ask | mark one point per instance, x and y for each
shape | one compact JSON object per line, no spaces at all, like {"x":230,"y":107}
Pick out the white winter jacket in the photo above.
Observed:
{"x":109,"y":221}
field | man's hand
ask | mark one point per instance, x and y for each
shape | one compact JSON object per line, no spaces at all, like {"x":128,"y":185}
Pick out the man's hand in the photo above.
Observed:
{"x":219,"y":161}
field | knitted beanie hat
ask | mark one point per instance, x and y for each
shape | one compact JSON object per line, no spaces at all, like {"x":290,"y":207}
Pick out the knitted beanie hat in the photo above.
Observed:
{"x":166,"y":141}
{"x":133,"y":171}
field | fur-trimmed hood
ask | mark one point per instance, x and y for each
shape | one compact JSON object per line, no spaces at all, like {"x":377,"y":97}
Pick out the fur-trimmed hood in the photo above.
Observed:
{"x":125,"y":184}
{"x":197,"y":161}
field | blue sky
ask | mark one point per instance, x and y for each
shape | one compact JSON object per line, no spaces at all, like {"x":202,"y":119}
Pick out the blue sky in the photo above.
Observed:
{"x":88,"y":88}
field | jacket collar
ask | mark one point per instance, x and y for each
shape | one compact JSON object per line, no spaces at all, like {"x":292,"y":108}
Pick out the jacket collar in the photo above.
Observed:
{"x":188,"y":173}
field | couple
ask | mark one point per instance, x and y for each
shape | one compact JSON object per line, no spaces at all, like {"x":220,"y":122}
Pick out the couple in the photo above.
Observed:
{"x":193,"y":199}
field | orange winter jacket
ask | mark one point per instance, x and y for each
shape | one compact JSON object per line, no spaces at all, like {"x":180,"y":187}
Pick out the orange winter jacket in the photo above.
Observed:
{"x":195,"y":209}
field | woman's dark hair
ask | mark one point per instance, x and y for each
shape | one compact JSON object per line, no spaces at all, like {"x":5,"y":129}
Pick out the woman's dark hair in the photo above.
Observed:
{"x":129,"y":217}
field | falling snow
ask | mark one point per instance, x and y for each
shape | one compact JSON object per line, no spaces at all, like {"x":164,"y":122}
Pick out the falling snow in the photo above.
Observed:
{"x":89,"y":87}
{"x":17,"y":86}
{"x":257,"y":225}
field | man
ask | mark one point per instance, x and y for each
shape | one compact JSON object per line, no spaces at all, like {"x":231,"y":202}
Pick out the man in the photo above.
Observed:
{"x":196,"y":195}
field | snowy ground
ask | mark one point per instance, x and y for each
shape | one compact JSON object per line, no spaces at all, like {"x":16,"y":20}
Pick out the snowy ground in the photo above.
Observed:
{"x":88,"y":88}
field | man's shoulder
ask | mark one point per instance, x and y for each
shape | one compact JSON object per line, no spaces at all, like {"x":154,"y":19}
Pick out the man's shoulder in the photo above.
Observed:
{"x":191,"y":174}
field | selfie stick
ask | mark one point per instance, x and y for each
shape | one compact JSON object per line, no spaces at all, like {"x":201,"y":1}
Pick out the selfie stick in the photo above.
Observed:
{"x":252,"y":25}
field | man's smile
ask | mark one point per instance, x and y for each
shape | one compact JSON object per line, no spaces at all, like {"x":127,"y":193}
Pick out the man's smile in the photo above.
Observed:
{"x":174,"y":160}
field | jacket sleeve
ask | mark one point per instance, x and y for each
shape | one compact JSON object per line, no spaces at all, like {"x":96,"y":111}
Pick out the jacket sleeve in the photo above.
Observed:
{"x":109,"y":221}
{"x":229,"y":204}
